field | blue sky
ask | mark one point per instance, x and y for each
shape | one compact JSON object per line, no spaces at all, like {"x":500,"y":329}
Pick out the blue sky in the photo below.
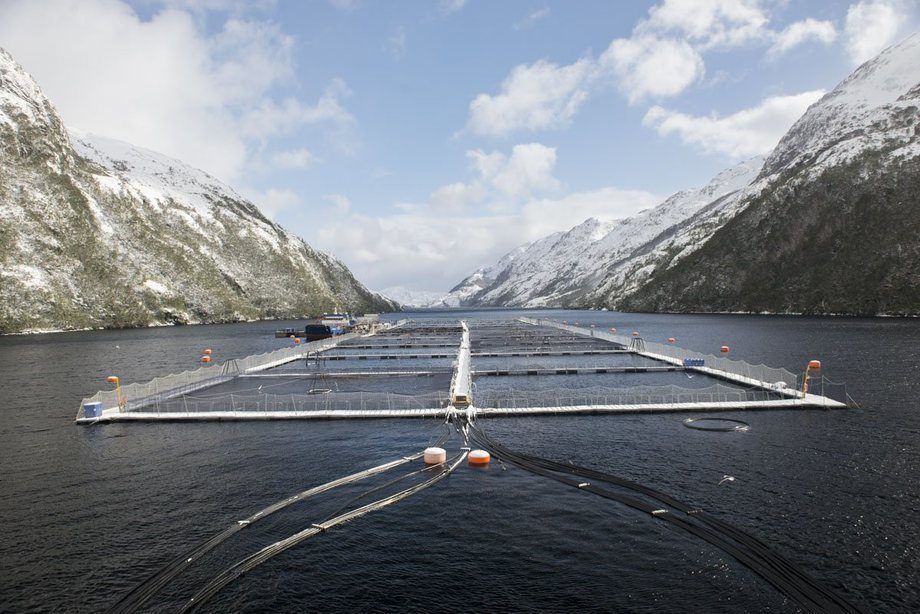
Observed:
{"x":419,"y":140}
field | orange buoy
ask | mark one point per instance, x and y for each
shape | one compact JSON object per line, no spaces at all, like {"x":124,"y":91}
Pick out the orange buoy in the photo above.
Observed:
{"x":814,"y":364}
{"x":479,"y":457}
{"x":208,"y":351}
{"x":296,"y":340}
{"x":112,"y":379}
{"x":435,"y":456}
{"x":724,"y":349}
{"x":206,"y":358}
{"x":635,"y":333}
{"x":671,"y":339}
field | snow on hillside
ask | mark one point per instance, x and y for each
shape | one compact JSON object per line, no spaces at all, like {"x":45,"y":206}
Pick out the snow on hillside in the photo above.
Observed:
{"x":566,"y":267}
{"x":413,"y":298}
{"x":149,"y":174}
{"x":97,"y":232}
{"x":874,"y":108}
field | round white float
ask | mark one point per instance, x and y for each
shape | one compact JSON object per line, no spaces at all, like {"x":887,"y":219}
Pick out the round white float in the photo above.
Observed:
{"x":435,"y":456}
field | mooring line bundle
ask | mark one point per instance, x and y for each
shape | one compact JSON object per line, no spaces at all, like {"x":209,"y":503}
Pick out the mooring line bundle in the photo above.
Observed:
{"x":747,"y":549}
{"x":254,"y":560}
{"x":142,"y":593}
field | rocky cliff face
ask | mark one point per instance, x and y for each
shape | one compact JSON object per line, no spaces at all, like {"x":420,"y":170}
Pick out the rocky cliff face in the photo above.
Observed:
{"x":836,"y":225}
{"x":98,"y":233}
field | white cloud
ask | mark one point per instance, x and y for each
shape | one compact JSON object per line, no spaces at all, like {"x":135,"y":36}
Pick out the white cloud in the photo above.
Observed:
{"x":293,"y":158}
{"x":274,"y":201}
{"x":467,"y":224}
{"x":533,"y":97}
{"x":161,"y":81}
{"x":528,"y":170}
{"x":272,"y":117}
{"x":708,"y":23}
{"x":455,"y":197}
{"x":396,"y":43}
{"x":438,"y":251}
{"x":532,"y":18}
{"x":742,"y":134}
{"x":339,"y":202}
{"x":448,"y":7}
{"x":662,"y":57}
{"x":871,"y":26}
{"x":649,"y":66}
{"x":801,"y":32}
{"x":540,"y":216}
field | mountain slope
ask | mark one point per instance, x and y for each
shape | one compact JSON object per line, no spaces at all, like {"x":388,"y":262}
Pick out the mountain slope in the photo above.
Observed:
{"x":836,"y":228}
{"x":596,"y":260}
{"x":412,"y":298}
{"x":98,"y":233}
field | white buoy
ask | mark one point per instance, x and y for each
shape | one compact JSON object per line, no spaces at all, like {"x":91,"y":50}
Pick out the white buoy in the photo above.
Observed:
{"x":435,"y":456}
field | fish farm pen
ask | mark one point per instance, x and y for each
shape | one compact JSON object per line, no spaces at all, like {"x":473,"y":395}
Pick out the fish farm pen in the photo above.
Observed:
{"x":486,"y":368}
{"x":455,"y":374}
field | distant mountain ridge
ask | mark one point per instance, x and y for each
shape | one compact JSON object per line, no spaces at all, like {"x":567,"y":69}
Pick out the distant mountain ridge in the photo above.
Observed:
{"x":835,"y":228}
{"x":569,"y":268}
{"x":828,"y":222}
{"x":99,"y":233}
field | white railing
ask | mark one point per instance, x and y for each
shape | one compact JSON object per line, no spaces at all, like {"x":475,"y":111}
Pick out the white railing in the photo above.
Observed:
{"x":136,"y":396}
{"x":756,"y":374}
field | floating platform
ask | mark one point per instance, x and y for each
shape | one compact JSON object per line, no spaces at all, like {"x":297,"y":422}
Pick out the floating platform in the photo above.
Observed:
{"x":181,"y":397}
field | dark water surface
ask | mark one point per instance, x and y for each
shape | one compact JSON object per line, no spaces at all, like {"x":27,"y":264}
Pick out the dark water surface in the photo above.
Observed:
{"x":87,"y":513}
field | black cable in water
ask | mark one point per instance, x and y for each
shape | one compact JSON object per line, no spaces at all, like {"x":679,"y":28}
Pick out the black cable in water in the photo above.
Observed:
{"x":748,"y":550}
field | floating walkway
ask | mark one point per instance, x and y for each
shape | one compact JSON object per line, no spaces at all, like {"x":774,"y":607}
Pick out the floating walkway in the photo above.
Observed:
{"x":518,"y":353}
{"x":573,"y":371}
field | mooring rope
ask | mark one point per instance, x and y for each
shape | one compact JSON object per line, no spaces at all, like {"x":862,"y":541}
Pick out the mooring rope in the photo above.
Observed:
{"x":142,"y":593}
{"x":745,"y":548}
{"x":266,"y":553}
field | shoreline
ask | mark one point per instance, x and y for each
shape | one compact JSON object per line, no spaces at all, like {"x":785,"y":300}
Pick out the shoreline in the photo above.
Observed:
{"x":880,"y":316}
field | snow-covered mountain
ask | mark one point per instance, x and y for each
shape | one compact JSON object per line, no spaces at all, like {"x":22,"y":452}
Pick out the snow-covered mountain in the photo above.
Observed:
{"x":95,"y":232}
{"x":570,"y":268}
{"x":827,"y":222}
{"x":834,"y":226}
{"x":413,"y":298}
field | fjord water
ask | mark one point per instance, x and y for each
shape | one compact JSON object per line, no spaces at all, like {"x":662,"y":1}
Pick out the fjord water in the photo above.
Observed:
{"x":87,"y":513}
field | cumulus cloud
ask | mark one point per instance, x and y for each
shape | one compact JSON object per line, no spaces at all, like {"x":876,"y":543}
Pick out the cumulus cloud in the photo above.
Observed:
{"x":208,"y":99}
{"x":708,"y":23}
{"x":293,"y":159}
{"x":456,"y":196}
{"x":529,"y":169}
{"x":271,"y":117}
{"x":649,"y":66}
{"x":801,"y":32}
{"x":438,"y":251}
{"x":662,"y":57}
{"x":871,"y":26}
{"x":742,"y":134}
{"x":340,"y":203}
{"x":510,"y":199}
{"x":533,"y":97}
